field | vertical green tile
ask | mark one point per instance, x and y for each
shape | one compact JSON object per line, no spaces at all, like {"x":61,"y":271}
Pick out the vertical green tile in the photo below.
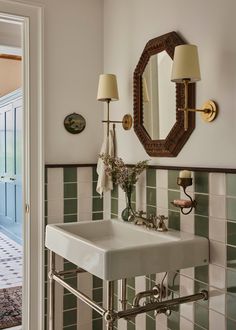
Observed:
{"x":69,"y":301}
{"x":201,"y":182}
{"x":130,"y":294}
{"x":231,"y":184}
{"x":95,"y":193}
{"x":131,"y":282}
{"x":231,"y":257}
{"x":202,"y":207}
{"x":231,"y":282}
{"x":97,"y":204}
{"x":172,"y":195}
{"x":151,"y":210}
{"x":70,"y":317}
{"x":97,"y":215}
{"x":231,"y":325}
{"x":98,"y":295}
{"x":201,"y":225}
{"x":174,"y":220}
{"x":70,"y":190}
{"x":114,"y":206}
{"x":46,"y":208}
{"x":95,"y":175}
{"x":201,"y":315}
{"x":70,"y":174}
{"x":150,"y":323}
{"x":231,"y":306}
{"x":70,"y":206}
{"x":114,"y":192}
{"x":97,"y":282}
{"x":97,"y":324}
{"x":151,"y":196}
{"x":70,"y":218}
{"x":173,"y":321}
{"x":231,"y":208}
{"x":201,"y":274}
{"x":172,"y":180}
{"x":45,"y":175}
{"x":231,"y":233}
{"x":151,"y":177}
{"x":130,"y":325}
{"x":45,"y":192}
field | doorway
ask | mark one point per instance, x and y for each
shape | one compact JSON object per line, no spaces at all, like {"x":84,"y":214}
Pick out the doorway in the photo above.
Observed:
{"x":30,"y":203}
{"x":11,"y":174}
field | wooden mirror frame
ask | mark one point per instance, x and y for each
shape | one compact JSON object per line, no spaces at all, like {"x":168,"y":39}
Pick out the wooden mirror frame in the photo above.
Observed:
{"x":177,"y":137}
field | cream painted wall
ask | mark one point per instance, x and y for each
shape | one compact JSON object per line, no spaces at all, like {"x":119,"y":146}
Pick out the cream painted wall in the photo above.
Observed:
{"x":73,"y":61}
{"x":73,"y":48}
{"x":211,"y":25}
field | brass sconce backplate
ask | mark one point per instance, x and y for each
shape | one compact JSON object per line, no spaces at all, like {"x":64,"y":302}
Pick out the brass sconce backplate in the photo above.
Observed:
{"x":210,"y":112}
{"x":127,"y":122}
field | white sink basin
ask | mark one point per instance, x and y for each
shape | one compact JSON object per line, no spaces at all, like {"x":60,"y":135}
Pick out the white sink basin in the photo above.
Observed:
{"x":113,"y":249}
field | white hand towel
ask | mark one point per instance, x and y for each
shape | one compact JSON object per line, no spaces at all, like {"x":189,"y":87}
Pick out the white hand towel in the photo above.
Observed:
{"x":104,"y":181}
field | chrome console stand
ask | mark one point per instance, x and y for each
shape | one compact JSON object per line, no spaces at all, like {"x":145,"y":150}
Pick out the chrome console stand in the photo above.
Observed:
{"x":109,"y":314}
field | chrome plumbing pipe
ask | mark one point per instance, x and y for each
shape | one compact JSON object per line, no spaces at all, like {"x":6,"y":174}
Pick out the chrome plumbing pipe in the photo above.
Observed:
{"x":123,"y":294}
{"x":71,"y":271}
{"x":51,"y":290}
{"x":79,"y":295}
{"x":143,"y":294}
{"x":162,"y":305}
{"x":110,"y":316}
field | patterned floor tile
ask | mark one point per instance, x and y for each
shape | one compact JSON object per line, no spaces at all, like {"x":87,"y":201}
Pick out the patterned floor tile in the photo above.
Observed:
{"x":10,"y":262}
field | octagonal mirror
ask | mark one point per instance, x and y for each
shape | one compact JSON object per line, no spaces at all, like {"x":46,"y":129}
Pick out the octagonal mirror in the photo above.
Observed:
{"x":157,"y":122}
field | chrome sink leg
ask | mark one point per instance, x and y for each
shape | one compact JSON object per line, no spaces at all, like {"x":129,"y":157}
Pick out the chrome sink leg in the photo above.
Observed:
{"x":109,"y":315}
{"x":51,"y":290}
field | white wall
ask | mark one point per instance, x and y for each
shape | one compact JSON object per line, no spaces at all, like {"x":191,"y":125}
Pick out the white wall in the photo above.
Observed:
{"x":211,"y":25}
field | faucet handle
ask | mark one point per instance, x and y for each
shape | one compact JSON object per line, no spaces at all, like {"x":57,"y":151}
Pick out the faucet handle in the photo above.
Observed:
{"x":161,"y":226}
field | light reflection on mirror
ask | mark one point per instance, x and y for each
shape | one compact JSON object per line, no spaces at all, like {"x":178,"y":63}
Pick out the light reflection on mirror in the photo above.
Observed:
{"x":159,"y":112}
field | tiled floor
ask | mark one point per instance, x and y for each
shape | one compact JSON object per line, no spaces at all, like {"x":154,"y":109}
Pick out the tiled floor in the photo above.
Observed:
{"x":10,"y":263}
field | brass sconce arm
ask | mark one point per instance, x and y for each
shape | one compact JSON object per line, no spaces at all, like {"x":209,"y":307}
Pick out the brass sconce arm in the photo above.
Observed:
{"x":208,"y":111}
{"x":126,"y":122}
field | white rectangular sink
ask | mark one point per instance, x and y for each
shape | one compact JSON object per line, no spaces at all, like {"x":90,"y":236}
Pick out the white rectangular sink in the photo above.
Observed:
{"x":113,"y":249}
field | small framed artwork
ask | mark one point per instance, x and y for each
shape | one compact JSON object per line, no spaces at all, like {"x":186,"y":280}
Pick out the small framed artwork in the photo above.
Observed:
{"x":74,"y":123}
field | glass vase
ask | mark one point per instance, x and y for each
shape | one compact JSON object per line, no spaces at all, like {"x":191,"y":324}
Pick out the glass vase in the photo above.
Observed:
{"x":128,"y":210}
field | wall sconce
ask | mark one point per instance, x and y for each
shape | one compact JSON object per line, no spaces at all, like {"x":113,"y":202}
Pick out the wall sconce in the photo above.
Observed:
{"x":107,"y":92}
{"x":185,"y":69}
{"x":185,"y":180}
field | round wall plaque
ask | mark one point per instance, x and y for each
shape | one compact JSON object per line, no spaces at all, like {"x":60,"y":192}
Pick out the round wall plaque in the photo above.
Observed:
{"x":74,"y":123}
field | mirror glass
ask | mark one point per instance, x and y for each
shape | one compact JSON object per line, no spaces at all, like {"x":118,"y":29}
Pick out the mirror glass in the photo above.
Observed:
{"x":158,"y":96}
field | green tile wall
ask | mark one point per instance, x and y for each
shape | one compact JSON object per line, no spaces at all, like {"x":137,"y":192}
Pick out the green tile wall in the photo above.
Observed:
{"x":201,"y":280}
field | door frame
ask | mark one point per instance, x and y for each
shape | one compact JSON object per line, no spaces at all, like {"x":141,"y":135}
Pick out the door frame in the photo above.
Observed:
{"x":31,"y":18}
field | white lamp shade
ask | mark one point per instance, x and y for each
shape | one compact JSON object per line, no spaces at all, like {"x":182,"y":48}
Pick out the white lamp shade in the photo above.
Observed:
{"x":185,"y":64}
{"x":107,"y":88}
